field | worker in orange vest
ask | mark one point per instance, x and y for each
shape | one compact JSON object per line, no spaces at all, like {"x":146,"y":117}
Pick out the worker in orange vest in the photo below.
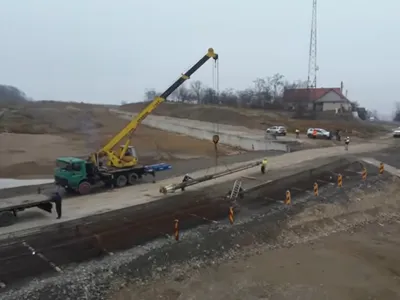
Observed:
{"x":314,"y":133}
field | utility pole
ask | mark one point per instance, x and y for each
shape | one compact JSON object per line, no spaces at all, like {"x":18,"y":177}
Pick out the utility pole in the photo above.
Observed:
{"x":312,"y":58}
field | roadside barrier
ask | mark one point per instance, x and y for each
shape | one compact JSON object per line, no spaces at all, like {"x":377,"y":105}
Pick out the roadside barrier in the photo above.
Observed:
{"x":340,"y":180}
{"x":364,"y":174}
{"x":176,"y":229}
{"x":288,"y":199}
{"x":230,"y":215}
{"x":315,"y":189}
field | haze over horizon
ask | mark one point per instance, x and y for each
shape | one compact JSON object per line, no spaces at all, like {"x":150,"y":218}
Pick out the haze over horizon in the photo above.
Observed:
{"x":96,"y":52}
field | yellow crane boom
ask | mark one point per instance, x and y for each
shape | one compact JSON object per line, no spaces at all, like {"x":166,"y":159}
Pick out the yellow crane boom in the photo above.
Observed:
{"x":123,"y":158}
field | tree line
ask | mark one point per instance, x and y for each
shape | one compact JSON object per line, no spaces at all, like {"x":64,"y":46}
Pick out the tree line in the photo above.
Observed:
{"x":262,"y":93}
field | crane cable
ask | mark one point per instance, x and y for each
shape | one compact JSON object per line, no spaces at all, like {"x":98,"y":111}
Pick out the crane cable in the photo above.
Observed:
{"x":215,"y":76}
{"x":215,"y":138}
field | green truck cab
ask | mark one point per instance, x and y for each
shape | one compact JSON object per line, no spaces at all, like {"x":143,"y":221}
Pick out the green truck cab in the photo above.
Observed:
{"x":74,"y":174}
{"x":80,"y":176}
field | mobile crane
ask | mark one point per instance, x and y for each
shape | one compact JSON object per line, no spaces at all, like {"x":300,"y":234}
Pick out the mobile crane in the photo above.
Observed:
{"x":117,"y":167}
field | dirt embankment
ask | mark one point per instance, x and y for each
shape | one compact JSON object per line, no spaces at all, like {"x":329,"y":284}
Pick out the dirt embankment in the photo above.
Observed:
{"x":256,"y":118}
{"x":32,"y":136}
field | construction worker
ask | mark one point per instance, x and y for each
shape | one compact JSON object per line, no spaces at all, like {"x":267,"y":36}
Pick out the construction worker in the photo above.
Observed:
{"x":338,"y":135}
{"x":264,"y":165}
{"x":185,"y":179}
{"x":346,"y":143}
{"x":297,"y":133}
{"x":56,"y":198}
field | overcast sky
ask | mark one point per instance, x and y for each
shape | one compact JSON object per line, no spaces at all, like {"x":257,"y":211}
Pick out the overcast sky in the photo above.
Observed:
{"x":111,"y":51}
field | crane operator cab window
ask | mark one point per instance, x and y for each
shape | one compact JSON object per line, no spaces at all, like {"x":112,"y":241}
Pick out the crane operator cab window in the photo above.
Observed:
{"x":131,"y":151}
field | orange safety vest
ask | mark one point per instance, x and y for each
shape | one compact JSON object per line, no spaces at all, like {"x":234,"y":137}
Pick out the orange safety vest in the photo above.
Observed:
{"x":314,"y":132}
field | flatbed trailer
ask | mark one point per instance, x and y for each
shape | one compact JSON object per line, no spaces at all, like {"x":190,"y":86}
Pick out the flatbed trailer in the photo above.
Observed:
{"x":9,"y":207}
{"x":122,"y":177}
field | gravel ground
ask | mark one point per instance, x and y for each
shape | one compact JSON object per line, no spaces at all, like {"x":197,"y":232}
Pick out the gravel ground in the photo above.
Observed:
{"x":139,"y":273}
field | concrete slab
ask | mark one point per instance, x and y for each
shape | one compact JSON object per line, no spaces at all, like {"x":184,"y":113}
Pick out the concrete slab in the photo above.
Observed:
{"x":80,"y":207}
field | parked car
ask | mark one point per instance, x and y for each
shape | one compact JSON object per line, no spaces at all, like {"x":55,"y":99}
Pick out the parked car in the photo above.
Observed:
{"x":277,"y":130}
{"x":321,"y":133}
{"x":396,"y":133}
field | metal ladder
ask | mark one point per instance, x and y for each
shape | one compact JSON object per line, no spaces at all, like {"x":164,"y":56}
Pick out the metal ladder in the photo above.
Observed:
{"x":236,"y":189}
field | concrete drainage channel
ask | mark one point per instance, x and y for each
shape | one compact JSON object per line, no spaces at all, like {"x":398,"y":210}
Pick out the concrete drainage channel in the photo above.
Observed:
{"x":200,"y":216}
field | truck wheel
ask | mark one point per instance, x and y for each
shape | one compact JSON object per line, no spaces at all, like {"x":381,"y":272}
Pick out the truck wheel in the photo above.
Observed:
{"x":132,"y":178}
{"x":84,"y":188}
{"x":121,"y":181}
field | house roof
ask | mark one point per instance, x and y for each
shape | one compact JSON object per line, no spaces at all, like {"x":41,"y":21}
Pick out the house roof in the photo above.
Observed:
{"x":310,"y":95}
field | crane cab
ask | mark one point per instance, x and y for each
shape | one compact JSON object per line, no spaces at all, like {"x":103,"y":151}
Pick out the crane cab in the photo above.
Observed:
{"x":130,"y":152}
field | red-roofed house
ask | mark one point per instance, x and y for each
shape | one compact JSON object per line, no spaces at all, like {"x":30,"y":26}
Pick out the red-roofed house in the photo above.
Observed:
{"x":318,"y":99}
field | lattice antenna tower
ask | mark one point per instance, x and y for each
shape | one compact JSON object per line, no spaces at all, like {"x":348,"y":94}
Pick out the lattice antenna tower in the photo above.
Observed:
{"x":312,"y":56}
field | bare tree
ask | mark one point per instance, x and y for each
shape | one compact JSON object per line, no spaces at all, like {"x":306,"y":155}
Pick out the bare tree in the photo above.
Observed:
{"x":182,"y":94}
{"x":209,"y":96}
{"x":247,"y":97}
{"x":197,"y":89}
{"x":298,"y":84}
{"x":262,"y":92}
{"x":229,"y":97}
{"x":150,"y":94}
{"x":276,"y":82}
{"x":396,"y":116}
